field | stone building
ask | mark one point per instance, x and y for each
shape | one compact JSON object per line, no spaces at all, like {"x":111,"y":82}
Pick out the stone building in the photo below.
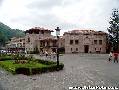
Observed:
{"x":40,"y":40}
{"x":85,"y":41}
{"x":16,"y":44}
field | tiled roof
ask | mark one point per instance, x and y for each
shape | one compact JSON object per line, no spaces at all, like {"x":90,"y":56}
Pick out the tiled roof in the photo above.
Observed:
{"x":84,"y":32}
{"x":41,"y":28}
{"x":37,"y":29}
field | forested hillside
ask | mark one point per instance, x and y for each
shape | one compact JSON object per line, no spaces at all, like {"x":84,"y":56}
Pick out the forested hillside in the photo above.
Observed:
{"x":6,"y":33}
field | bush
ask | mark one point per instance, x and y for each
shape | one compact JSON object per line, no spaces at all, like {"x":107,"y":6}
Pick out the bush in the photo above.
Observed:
{"x":56,"y":68}
{"x":30,"y":58}
{"x":35,"y":67}
{"x":19,"y":57}
{"x":3,"y":58}
{"x":36,"y":70}
{"x":23,"y":70}
{"x":39,"y":70}
{"x":50,"y":68}
{"x":45,"y":62}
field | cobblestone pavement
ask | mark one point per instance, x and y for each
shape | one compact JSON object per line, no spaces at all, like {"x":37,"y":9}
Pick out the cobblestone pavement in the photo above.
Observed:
{"x":79,"y":70}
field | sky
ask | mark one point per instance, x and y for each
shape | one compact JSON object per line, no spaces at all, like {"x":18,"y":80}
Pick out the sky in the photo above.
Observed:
{"x":66,"y":14}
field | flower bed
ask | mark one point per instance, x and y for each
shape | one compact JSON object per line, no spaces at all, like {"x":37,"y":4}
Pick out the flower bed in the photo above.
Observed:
{"x":19,"y":64}
{"x":5,"y":57}
{"x":30,"y":68}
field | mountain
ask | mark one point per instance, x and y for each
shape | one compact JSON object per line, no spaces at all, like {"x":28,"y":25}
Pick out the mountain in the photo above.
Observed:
{"x":6,"y":33}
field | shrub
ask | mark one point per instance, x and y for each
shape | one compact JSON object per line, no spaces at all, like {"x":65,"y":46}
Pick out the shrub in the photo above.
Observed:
{"x":3,"y":58}
{"x":45,"y":62}
{"x":30,"y":58}
{"x":61,"y":66}
{"x":23,"y":70}
{"x":19,"y":57}
{"x":49,"y":68}
{"x":34,"y":67}
{"x":36,"y":70}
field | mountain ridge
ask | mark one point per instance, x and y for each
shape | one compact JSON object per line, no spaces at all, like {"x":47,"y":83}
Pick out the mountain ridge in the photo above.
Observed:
{"x":6,"y":33}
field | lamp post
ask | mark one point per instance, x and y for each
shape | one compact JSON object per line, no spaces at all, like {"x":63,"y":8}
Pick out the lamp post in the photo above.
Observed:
{"x":57,"y":34}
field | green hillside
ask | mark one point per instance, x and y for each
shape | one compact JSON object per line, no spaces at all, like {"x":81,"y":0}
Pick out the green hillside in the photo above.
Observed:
{"x":6,"y":33}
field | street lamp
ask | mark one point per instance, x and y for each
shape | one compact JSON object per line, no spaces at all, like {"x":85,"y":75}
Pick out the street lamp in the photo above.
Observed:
{"x":57,"y":34}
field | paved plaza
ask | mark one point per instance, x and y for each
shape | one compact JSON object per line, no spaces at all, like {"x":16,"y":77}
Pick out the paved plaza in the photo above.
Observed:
{"x":79,"y":70}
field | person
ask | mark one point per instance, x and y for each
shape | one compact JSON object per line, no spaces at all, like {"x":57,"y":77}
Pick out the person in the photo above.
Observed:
{"x":54,"y":55}
{"x":46,"y":53}
{"x":110,"y":56}
{"x":115,"y":57}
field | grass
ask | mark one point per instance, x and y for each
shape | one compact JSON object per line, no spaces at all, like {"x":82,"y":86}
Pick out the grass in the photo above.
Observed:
{"x":5,"y":57}
{"x":9,"y":65}
{"x":25,"y":65}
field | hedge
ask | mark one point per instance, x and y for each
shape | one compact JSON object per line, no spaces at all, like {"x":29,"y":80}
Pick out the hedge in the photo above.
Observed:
{"x":45,"y":62}
{"x":35,"y":67}
{"x":32,"y":71}
{"x":5,"y":57}
{"x":22,"y":70}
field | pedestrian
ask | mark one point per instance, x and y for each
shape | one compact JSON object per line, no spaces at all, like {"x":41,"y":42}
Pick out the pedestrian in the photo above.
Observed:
{"x":115,"y":57}
{"x":110,"y":56}
{"x":54,"y":55}
{"x":46,"y":53}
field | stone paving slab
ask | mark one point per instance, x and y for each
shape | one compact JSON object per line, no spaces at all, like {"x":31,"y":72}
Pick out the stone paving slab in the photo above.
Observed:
{"x":79,"y":70}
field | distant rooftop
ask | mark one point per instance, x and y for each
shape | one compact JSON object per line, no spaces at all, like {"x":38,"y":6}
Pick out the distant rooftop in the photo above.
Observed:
{"x":37,"y":30}
{"x":84,"y":32}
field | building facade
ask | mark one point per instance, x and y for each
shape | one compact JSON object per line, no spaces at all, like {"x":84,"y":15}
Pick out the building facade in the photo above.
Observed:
{"x":16,"y":45}
{"x":40,"y":40}
{"x":85,"y":41}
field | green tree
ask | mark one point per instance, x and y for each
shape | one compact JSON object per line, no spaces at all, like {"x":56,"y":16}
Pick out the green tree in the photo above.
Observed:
{"x":6,"y":33}
{"x":114,"y":30}
{"x":2,"y":39}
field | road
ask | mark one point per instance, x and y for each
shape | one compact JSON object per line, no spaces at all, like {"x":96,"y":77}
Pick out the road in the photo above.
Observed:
{"x":80,"y":70}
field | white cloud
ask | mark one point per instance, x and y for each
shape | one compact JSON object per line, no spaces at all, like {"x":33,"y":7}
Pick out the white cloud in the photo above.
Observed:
{"x":1,"y":2}
{"x":86,"y":13}
{"x":68,"y":14}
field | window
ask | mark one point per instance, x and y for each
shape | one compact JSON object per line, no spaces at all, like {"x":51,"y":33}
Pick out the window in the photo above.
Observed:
{"x":28,"y":39}
{"x":100,"y":42}
{"x":20,"y":40}
{"x":76,"y":49}
{"x":71,"y":42}
{"x":76,"y":41}
{"x":100,"y":49}
{"x":42,"y":32}
{"x":95,"y":41}
{"x":48,"y":43}
{"x":71,"y":49}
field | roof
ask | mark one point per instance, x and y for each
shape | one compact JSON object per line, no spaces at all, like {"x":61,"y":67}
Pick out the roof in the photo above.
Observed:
{"x":84,"y":32}
{"x":37,"y":30}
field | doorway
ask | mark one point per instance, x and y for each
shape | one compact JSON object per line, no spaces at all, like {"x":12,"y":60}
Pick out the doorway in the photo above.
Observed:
{"x":86,"y":48}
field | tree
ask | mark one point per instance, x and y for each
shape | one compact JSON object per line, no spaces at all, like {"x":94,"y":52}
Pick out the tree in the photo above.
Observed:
{"x":114,"y":30}
{"x":7,"y":33}
{"x":2,"y":39}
